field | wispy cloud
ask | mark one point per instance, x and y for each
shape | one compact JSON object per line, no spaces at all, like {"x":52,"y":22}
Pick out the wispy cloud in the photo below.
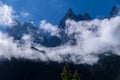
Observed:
{"x":24,"y":14}
{"x":47,"y":27}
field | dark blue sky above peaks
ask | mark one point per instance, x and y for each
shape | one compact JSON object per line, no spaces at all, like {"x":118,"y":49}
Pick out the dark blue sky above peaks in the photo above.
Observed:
{"x":54,"y":10}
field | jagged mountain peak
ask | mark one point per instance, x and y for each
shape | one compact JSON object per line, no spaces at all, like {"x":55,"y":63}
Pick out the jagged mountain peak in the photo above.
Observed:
{"x":87,"y":16}
{"x":69,"y":12}
{"x":70,"y":15}
{"x":41,"y":38}
{"x":115,"y":11}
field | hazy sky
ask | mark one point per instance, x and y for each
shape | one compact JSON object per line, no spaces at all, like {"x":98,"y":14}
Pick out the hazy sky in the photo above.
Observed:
{"x":54,"y":10}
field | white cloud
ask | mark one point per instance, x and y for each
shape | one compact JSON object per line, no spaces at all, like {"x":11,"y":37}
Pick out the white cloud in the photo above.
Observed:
{"x":24,"y":14}
{"x":47,"y":27}
{"x":6,"y":15}
{"x":93,"y":38}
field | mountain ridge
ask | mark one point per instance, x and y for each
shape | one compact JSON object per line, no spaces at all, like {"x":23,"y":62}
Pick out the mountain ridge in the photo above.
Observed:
{"x":19,"y":30}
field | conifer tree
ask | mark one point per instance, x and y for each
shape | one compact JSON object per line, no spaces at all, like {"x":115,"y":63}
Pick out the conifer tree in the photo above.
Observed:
{"x":76,"y":75}
{"x":66,"y":74}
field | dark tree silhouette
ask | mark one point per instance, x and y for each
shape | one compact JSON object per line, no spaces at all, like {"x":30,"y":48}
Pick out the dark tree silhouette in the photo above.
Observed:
{"x":66,"y":74}
{"x":76,"y":75}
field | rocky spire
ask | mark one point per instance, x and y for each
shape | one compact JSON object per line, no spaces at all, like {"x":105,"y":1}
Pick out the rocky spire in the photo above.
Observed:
{"x":87,"y":16}
{"x":115,"y":11}
{"x":69,"y":13}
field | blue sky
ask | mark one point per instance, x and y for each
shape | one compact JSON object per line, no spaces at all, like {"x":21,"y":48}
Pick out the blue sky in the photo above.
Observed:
{"x":54,"y":10}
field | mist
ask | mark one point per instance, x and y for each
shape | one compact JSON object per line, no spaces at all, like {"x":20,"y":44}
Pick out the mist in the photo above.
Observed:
{"x":93,"y":38}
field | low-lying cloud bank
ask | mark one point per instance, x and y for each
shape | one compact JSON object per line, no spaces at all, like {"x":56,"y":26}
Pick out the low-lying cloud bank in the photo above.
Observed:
{"x":93,"y":38}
